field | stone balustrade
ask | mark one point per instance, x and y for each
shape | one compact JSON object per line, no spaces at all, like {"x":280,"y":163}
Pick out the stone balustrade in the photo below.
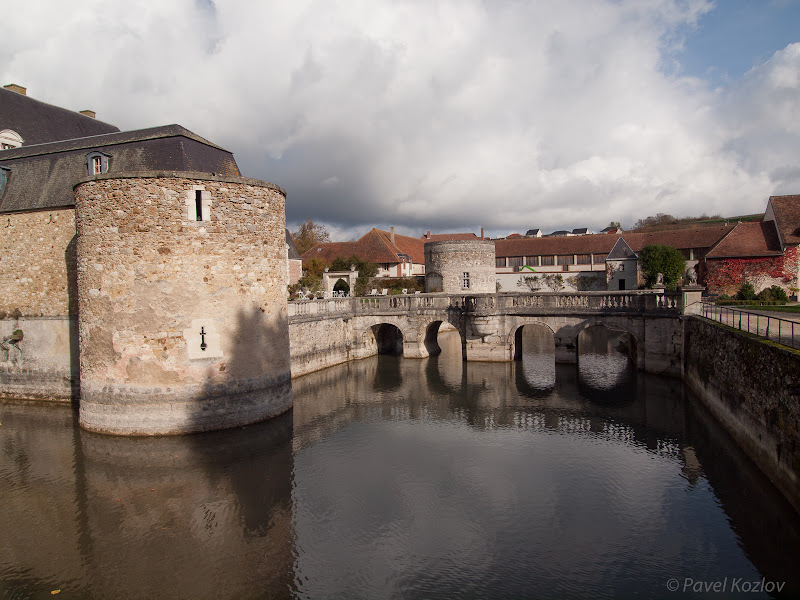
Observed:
{"x":636,"y":301}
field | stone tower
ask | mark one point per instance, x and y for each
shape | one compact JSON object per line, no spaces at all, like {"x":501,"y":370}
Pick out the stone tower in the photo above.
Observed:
{"x":182,"y":302}
{"x":460,"y":267}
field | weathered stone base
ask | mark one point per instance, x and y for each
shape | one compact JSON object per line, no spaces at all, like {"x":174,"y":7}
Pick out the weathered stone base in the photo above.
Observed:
{"x":26,"y":384}
{"x":40,"y":366}
{"x":140,"y":410}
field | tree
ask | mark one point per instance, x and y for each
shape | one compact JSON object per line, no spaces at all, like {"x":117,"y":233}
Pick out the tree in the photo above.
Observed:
{"x":663,"y":221}
{"x":668,"y":261}
{"x":309,"y":235}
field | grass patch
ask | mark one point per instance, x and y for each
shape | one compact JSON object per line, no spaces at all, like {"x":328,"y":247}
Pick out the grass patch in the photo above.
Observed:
{"x":794,"y":308}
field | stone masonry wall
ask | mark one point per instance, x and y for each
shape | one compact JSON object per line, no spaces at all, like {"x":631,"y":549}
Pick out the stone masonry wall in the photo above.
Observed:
{"x":35,"y":251}
{"x":38,"y":297}
{"x":451,"y":259}
{"x":752,"y":387}
{"x":183,"y":323}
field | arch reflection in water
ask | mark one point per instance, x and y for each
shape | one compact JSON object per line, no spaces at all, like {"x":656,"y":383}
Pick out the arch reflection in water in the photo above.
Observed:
{"x":605,"y":362}
{"x":534,"y":347}
{"x":477,"y":491}
{"x":445,"y":369}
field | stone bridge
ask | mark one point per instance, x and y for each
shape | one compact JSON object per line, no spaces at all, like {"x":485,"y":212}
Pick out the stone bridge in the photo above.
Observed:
{"x":327,"y":332}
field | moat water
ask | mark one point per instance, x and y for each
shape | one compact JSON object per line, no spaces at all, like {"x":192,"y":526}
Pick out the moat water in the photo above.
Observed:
{"x":401,"y":478}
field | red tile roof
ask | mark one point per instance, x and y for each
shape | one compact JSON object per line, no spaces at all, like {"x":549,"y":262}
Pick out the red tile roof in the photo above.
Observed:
{"x":787,"y":217}
{"x":748,"y":239}
{"x":329,"y":251}
{"x":375,"y":246}
{"x":697,"y":237}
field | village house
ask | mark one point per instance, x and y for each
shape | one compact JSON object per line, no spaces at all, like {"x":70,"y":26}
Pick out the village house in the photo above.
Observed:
{"x":764,"y":253}
{"x":395,"y":255}
{"x":583,"y":260}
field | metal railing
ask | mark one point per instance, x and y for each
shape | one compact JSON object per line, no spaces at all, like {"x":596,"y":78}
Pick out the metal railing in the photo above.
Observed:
{"x":783,"y":331}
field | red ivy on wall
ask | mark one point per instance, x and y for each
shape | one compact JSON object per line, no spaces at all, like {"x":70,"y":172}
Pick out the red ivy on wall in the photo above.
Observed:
{"x":731,"y":272}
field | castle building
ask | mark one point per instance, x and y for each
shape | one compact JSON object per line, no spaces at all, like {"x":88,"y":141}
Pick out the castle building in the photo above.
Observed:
{"x":140,"y":274}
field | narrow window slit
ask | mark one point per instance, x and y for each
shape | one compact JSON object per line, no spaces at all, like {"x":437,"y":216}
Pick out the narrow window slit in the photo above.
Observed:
{"x":198,"y":204}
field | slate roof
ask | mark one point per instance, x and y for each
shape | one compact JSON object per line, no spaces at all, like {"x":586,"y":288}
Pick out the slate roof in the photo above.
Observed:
{"x":682,"y":239}
{"x":580,"y":231}
{"x":749,"y":239}
{"x":39,"y":123}
{"x":293,"y":253}
{"x":42,"y":176}
{"x":787,"y":217}
{"x":621,"y":251}
{"x":375,"y":246}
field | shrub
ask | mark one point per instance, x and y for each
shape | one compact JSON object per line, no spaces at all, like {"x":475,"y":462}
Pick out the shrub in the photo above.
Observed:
{"x":778,"y":293}
{"x":746,"y":292}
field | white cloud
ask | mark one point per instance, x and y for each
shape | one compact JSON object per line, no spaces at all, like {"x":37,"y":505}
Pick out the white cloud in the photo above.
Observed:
{"x":432,"y":115}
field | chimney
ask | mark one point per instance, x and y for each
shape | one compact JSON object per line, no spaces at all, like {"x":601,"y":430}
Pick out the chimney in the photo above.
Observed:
{"x":428,"y":234}
{"x":391,"y":234}
{"x":16,"y":88}
{"x":88,"y":113}
{"x":481,"y":232}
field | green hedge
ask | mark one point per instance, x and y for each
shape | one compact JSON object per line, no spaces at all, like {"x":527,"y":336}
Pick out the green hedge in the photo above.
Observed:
{"x":750,"y":302}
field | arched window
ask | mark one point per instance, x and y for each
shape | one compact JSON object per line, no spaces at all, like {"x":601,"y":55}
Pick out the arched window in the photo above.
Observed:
{"x":9,"y":139}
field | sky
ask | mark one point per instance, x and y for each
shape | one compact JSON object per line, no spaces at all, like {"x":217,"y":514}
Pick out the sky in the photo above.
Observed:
{"x":447,"y":115}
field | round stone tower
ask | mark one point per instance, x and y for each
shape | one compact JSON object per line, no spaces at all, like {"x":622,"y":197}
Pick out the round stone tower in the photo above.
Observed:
{"x":181,"y":302}
{"x":460,"y":266}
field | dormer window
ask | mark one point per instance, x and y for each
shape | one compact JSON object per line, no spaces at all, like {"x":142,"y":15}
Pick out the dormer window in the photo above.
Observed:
{"x":97,"y":163}
{"x":9,"y":139}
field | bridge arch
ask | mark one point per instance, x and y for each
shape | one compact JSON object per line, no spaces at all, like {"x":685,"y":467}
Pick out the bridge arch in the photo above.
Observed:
{"x":388,"y":338}
{"x":429,"y":334}
{"x":515,"y":337}
{"x":633,"y":344}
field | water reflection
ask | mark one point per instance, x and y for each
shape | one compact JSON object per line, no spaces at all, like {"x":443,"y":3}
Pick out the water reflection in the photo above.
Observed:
{"x":535,"y":347}
{"x":604,"y":358}
{"x":486,"y":491}
{"x":396,"y":478}
{"x":204,"y":516}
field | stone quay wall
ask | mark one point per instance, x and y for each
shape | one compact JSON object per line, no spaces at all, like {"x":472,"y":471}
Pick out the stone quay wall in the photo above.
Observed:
{"x":38,"y":300}
{"x":320,"y":343}
{"x":752,"y":387}
{"x":452,"y":259}
{"x":182,"y":316}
